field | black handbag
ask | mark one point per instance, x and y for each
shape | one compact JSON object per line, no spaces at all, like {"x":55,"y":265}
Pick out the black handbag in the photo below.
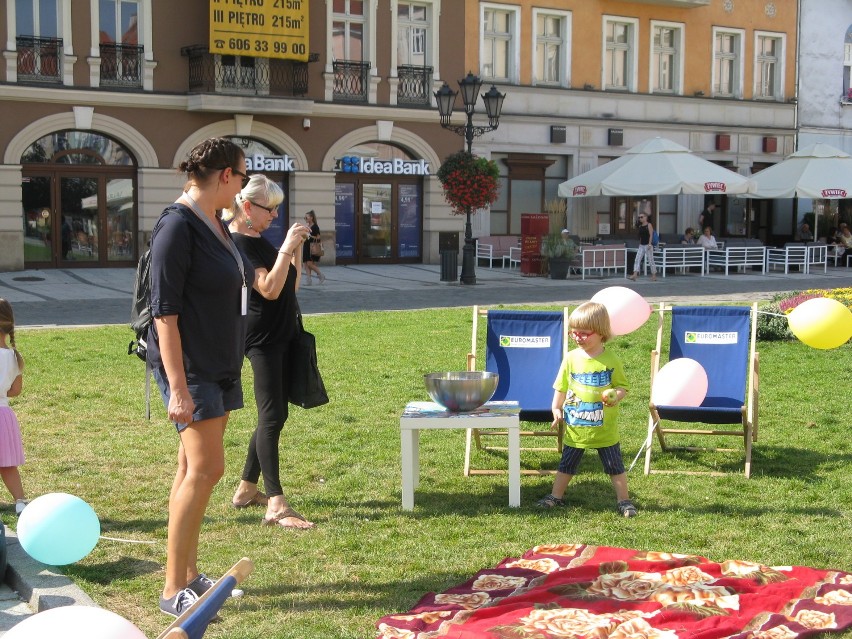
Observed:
{"x":306,"y":386}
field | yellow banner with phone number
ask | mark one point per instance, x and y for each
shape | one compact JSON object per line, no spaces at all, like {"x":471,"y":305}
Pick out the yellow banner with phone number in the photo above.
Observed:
{"x":260,"y":28}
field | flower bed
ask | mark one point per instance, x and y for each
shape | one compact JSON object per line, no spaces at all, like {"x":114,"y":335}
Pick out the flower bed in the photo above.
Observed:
{"x":772,"y":327}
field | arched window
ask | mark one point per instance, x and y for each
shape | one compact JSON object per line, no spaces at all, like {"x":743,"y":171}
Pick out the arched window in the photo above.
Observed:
{"x":77,"y":147}
{"x":78,"y":201}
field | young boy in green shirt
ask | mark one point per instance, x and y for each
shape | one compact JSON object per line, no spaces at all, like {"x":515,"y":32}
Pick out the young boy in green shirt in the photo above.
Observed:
{"x":587,"y":391}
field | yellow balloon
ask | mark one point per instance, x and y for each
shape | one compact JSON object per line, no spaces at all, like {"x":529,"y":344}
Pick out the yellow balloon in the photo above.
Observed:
{"x":821,"y":323}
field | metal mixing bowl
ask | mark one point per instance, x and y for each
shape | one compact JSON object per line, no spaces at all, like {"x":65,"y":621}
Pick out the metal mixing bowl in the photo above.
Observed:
{"x":461,"y":391}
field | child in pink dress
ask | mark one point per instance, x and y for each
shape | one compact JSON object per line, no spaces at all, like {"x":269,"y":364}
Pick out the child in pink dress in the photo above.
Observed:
{"x":11,"y":369}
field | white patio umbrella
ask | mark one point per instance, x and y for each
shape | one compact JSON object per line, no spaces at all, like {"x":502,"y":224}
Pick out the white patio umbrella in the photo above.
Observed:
{"x":819,"y":171}
{"x":656,"y":167}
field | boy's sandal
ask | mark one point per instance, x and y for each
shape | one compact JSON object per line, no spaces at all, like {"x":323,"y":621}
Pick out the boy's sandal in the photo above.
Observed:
{"x":287,"y":513}
{"x":258,"y":499}
{"x":550,"y":502}
{"x":627,"y":509}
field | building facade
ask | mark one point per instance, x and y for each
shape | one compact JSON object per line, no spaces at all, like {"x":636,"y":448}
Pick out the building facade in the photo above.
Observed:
{"x":825,"y":93}
{"x":101,"y":99}
{"x":587,"y":80}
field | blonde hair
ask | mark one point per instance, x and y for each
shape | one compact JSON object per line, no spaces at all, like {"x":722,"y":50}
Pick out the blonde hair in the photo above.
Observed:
{"x":260,"y":190}
{"x":7,"y":326}
{"x":591,"y":316}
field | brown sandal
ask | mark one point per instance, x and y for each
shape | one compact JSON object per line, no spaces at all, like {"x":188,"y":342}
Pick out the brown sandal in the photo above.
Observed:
{"x":258,"y":499}
{"x":286,"y":514}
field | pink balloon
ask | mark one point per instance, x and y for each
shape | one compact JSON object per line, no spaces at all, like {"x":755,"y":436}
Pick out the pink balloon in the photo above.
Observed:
{"x":627,"y":309}
{"x":681,"y":382}
{"x":75,"y":622}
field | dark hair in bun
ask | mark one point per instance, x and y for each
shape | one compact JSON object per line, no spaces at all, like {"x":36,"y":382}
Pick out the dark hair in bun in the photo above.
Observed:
{"x":210,"y":156}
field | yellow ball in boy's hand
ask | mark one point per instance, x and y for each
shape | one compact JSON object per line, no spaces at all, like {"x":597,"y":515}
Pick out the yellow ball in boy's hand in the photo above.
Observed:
{"x":610,"y":397}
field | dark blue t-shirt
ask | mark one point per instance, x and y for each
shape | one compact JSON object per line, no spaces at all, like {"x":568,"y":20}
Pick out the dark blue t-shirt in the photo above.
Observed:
{"x":194,"y":276}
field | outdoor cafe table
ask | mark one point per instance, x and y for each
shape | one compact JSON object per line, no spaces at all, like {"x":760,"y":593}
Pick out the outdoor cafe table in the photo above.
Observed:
{"x":429,"y":415}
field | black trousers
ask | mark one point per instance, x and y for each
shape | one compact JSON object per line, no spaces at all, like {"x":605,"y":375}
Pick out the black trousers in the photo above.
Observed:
{"x":271,"y":387}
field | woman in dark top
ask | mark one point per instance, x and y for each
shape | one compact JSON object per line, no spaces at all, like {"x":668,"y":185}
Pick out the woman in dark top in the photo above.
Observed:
{"x":646,"y":250}
{"x":199,"y":291}
{"x":272,"y":324}
{"x":311,"y":262}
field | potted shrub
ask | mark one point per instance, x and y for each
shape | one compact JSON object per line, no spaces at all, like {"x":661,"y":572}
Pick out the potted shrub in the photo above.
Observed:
{"x":559,"y":251}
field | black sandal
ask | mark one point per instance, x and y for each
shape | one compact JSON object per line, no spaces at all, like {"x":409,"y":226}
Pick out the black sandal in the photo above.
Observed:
{"x":550,"y":502}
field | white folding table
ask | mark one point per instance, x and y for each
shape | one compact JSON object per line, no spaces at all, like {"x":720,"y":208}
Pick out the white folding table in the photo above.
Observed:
{"x":429,"y":415}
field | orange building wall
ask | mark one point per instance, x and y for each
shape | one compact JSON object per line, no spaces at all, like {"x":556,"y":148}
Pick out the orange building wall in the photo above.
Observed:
{"x":587,"y":22}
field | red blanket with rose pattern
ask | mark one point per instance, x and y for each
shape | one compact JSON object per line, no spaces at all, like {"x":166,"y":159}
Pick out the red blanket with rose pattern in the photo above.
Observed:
{"x":574,"y":590}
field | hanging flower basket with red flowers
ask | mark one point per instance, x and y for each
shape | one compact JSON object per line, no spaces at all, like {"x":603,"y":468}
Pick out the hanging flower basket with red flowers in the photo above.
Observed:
{"x":470,"y":182}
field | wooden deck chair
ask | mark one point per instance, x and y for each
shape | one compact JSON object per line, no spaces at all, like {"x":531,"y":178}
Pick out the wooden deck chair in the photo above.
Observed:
{"x":525,"y":348}
{"x":192,"y":624}
{"x":722,"y":339}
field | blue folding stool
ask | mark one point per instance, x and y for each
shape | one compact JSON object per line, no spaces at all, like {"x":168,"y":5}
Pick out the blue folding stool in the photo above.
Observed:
{"x":721,"y":339}
{"x":192,"y":624}
{"x":525,"y":348}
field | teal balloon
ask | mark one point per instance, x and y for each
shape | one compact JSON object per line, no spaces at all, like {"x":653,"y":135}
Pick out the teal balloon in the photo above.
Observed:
{"x":58,"y":529}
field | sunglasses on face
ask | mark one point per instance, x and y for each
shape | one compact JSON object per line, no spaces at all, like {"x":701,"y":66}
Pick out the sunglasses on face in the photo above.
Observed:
{"x":245,"y":178}
{"x":260,"y":206}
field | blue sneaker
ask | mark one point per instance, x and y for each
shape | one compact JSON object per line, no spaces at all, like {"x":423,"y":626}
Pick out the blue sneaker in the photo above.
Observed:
{"x":179,"y":604}
{"x":201,"y":584}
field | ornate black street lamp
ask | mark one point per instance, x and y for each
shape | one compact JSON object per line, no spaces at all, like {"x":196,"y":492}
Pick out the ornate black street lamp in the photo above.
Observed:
{"x":446,"y":98}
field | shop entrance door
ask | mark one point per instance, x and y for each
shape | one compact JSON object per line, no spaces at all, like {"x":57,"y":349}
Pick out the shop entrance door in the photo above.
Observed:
{"x":378,"y":222}
{"x":75,"y":218}
{"x":375,"y":229}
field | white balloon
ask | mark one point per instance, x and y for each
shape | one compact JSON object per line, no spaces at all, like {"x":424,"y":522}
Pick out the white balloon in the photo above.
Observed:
{"x":75,"y":622}
{"x":681,"y":382}
{"x":627,"y":309}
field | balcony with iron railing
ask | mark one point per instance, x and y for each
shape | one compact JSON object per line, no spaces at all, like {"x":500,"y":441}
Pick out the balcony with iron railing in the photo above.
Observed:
{"x":242,"y":75}
{"x":351,"y":81}
{"x":415,"y":85}
{"x":39,"y":59}
{"x":121,"y":65}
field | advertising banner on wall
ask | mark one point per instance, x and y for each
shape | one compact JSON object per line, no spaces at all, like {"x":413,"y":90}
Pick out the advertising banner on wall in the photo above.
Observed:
{"x":409,"y":220}
{"x":344,"y":220}
{"x":260,"y":28}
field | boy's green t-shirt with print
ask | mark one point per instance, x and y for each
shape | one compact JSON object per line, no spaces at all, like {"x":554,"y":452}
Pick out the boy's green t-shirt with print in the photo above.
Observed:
{"x":589,"y":423}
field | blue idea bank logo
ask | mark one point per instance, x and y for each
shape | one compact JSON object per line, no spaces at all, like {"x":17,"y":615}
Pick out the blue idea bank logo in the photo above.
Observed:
{"x":350,"y":164}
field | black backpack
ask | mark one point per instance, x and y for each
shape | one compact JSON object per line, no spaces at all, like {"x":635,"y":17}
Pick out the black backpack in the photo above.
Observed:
{"x":140,"y":312}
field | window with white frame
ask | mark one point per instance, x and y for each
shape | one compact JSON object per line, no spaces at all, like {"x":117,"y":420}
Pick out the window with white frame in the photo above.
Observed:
{"x":499,"y":55}
{"x":348,"y":23}
{"x":768,"y":66}
{"x":728,"y":63}
{"x":122,"y":51}
{"x":119,"y":21}
{"x":242,"y":74}
{"x":552,"y":44}
{"x":413,"y":28}
{"x":847,"y":66}
{"x":620,"y":59}
{"x":666,"y":57}
{"x":40,"y":32}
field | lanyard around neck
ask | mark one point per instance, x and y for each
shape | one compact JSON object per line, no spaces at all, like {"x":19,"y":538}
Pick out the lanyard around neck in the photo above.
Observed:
{"x":227,"y":242}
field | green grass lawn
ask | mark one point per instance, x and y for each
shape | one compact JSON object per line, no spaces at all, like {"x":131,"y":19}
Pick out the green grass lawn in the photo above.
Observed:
{"x":84,"y":433}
